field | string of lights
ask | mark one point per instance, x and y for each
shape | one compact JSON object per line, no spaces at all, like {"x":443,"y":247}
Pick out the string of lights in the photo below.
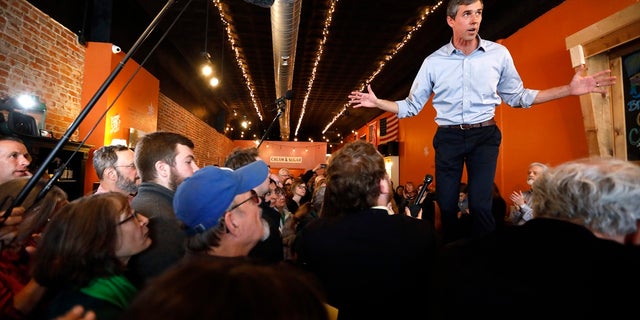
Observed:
{"x":424,"y":14}
{"x":318,"y":57}
{"x":240,"y":60}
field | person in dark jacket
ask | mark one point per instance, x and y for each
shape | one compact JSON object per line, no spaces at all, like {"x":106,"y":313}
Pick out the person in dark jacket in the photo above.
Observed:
{"x":163,"y":160}
{"x":372,"y":265}
{"x":569,"y":261}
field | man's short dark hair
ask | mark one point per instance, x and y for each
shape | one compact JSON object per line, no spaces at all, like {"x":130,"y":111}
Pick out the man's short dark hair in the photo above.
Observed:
{"x":241,"y":157}
{"x":157,"y":146}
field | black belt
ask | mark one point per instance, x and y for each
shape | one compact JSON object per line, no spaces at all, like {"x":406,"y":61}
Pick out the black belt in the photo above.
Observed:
{"x":466,"y":126}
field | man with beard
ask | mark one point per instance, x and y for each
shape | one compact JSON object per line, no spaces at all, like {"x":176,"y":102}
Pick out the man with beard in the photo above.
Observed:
{"x":116,"y":170}
{"x":521,"y":212}
{"x":164,"y":160}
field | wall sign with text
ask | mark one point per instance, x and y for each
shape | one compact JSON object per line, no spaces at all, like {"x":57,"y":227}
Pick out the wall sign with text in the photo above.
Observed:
{"x":282,"y":159}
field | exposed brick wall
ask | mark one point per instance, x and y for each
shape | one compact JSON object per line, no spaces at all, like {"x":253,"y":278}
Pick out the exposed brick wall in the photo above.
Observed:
{"x":40,"y":56}
{"x":211,"y":147}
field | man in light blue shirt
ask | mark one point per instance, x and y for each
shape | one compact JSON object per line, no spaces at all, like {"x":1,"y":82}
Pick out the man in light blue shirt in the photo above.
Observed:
{"x":468,"y":78}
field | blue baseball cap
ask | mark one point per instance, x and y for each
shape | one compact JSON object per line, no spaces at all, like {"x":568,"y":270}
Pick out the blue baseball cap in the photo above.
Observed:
{"x":202,"y":199}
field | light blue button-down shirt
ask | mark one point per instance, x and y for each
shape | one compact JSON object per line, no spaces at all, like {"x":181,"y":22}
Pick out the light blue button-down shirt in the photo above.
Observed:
{"x":466,"y":89}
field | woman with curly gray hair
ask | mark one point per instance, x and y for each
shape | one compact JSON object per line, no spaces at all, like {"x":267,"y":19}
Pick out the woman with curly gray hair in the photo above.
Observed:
{"x":601,"y":194}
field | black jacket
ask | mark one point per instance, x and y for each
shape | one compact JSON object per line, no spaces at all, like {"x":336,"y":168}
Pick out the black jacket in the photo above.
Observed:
{"x":543,"y":269}
{"x":372,"y":265}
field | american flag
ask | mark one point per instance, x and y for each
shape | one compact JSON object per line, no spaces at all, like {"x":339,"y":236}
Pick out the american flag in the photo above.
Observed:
{"x":388,"y":129}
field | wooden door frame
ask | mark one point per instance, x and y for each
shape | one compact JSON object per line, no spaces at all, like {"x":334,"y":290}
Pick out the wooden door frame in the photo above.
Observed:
{"x":599,"y":47}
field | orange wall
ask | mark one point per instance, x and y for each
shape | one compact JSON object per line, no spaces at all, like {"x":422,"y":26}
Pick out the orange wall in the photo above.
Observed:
{"x":552,"y":132}
{"x":130,"y":101}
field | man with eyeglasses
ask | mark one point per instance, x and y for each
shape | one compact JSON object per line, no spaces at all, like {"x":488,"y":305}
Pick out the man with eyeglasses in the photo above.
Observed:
{"x":116,"y":170}
{"x":270,"y":249}
{"x":221,"y":211}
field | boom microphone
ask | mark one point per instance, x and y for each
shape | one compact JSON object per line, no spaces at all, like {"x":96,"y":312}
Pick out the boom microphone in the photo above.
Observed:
{"x":280,"y":105}
{"x":288,"y":95}
{"x":280,"y":101}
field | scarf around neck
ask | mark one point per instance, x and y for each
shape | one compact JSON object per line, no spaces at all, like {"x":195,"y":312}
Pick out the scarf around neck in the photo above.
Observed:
{"x":117,"y":290}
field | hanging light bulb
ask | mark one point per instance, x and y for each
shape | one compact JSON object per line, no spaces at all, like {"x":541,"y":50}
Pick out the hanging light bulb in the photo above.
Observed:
{"x":207,"y":70}
{"x":207,"y":66}
{"x":214,"y":81}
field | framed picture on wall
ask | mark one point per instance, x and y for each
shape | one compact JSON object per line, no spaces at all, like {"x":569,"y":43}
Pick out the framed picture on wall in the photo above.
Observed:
{"x":372,"y":133}
{"x":134,"y":136}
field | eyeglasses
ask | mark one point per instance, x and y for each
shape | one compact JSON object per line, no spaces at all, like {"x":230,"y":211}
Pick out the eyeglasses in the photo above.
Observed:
{"x":254,"y":197}
{"x":130,"y":166}
{"x":302,"y":186}
{"x":129,"y":217}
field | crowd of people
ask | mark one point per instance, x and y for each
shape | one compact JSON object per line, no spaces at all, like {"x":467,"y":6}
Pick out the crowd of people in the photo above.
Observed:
{"x":228,"y":234}
{"x":162,"y":238}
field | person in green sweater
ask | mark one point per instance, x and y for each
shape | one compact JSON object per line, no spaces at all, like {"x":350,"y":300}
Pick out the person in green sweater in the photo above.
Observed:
{"x":84,"y":251}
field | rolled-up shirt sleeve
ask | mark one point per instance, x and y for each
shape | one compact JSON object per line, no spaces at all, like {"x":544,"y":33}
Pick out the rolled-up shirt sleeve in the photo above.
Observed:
{"x":511,"y":88}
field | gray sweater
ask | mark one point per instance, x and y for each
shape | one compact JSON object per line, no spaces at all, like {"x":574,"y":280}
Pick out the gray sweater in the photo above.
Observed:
{"x":156,"y":203}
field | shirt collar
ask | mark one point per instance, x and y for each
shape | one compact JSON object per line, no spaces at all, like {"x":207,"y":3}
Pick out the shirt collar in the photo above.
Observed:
{"x":450,"y":49}
{"x":389,"y":211}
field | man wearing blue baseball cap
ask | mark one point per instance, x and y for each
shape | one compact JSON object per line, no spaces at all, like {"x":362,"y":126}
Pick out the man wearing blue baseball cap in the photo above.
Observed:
{"x":220,"y":210}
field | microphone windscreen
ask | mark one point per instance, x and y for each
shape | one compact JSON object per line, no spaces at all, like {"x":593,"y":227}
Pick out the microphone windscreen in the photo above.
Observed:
{"x":288,"y":95}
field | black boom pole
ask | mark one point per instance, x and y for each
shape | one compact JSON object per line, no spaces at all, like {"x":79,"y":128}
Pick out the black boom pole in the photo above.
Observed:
{"x":83,"y":114}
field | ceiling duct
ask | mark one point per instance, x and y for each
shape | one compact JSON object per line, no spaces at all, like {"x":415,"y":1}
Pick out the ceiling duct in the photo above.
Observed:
{"x":285,"y":21}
